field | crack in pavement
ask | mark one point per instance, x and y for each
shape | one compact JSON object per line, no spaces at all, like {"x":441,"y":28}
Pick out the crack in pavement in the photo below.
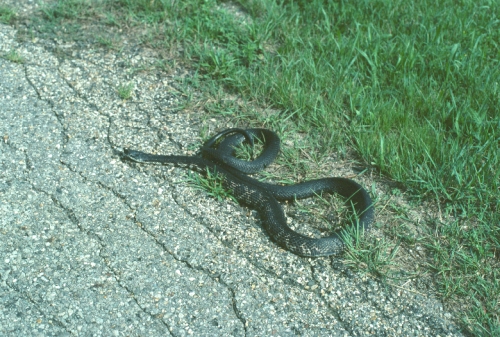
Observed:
{"x":206,"y":272}
{"x":70,"y":214}
{"x":34,"y":303}
{"x":73,"y":218}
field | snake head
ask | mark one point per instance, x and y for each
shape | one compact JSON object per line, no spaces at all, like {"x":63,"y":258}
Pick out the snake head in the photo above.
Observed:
{"x":134,"y":155}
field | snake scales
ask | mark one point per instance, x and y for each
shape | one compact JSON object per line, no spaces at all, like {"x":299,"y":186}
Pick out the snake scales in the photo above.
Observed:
{"x":219,"y":158}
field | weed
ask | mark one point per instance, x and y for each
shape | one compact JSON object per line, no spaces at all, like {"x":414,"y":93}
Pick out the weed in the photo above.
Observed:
{"x":67,"y":9}
{"x":212,"y":184}
{"x":13,"y":56}
{"x":105,"y":42}
{"x":7,"y":15}
{"x":125,"y":91}
{"x":374,"y":255}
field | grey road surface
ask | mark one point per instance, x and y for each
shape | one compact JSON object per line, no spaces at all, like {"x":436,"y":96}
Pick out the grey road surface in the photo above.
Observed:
{"x":94,"y":246}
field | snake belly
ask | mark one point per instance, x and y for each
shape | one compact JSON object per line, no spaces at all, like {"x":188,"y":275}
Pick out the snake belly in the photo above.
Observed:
{"x":264,"y":197}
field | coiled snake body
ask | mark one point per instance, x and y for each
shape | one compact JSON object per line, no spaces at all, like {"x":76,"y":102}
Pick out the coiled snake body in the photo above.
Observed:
{"x":263,"y":196}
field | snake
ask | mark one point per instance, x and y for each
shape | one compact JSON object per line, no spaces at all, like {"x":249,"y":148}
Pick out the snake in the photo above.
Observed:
{"x":217,"y":157}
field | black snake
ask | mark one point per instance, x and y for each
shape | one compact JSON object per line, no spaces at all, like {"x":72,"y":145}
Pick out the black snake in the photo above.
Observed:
{"x":219,"y":158}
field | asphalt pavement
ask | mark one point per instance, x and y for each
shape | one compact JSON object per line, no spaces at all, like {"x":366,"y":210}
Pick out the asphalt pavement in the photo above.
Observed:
{"x":91,"y":245}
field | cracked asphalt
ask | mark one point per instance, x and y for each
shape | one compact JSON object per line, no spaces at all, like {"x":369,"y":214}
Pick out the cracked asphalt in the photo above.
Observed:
{"x":94,"y":246}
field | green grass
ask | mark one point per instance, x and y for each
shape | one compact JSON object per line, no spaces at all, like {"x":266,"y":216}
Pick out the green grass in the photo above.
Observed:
{"x":13,"y":56}
{"x":125,"y":91}
{"x":375,"y":256}
{"x":6,"y":14}
{"x":411,"y":86}
{"x":211,"y":183}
